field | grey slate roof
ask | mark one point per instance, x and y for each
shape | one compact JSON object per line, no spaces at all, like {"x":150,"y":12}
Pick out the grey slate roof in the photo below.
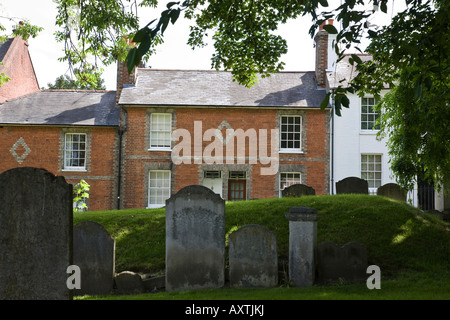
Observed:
{"x":344,"y":72}
{"x":62,"y":107}
{"x":217,"y":88}
{"x":4,"y":46}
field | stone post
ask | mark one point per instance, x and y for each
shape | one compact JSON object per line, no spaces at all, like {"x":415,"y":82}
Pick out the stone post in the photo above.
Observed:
{"x":302,"y":245}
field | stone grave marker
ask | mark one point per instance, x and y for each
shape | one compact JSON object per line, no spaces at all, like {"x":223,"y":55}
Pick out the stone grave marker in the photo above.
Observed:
{"x":393,"y":191}
{"x":352,"y":185}
{"x":94,"y":253}
{"x":298,"y":190}
{"x":335,"y":263}
{"x":253,"y":257}
{"x":35,"y":235}
{"x":195,"y":239}
{"x":302,"y":245}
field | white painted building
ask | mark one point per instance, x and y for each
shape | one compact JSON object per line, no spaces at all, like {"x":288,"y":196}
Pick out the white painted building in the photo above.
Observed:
{"x":356,"y":151}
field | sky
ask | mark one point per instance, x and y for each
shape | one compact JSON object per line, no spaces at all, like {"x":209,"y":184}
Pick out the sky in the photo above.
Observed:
{"x":174,"y":53}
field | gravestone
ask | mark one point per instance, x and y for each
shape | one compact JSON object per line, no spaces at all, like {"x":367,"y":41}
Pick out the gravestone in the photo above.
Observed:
{"x":195,"y":239}
{"x":335,"y":263}
{"x":253,"y":257}
{"x":298,"y":190}
{"x":128,"y":282}
{"x":352,"y":185}
{"x":302,"y":245}
{"x":35,"y":235}
{"x":393,"y":191}
{"x":94,"y":253}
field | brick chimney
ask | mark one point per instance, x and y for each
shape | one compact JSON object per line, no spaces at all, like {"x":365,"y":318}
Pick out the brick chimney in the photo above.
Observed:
{"x":123,"y":77}
{"x":325,"y":55}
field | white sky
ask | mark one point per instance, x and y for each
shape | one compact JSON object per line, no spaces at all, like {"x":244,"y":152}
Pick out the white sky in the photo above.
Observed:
{"x":174,"y":53}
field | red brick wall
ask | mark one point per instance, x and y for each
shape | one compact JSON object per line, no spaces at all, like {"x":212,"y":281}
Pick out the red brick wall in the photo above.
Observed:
{"x":138,"y":159}
{"x":45,"y":145}
{"x":19,"y":68}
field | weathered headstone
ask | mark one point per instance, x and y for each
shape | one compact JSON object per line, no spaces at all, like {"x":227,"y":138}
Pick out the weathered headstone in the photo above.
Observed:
{"x":302,"y":245}
{"x":195,"y":239}
{"x":36,"y":232}
{"x":352,"y":185}
{"x":94,"y":253}
{"x":128,"y":282}
{"x":335,"y":263}
{"x":253,"y":257}
{"x":393,"y":191}
{"x":298,"y":190}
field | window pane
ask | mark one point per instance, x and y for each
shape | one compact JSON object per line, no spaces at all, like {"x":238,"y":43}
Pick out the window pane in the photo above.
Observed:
{"x":371,"y":169}
{"x":159,"y":187}
{"x":289,"y":178}
{"x":290,"y":132}
{"x":368,"y":114}
{"x":75,"y":150}
{"x":160,"y":130}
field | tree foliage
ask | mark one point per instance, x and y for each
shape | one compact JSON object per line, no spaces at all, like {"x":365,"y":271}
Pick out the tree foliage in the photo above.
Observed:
{"x":410,"y":55}
{"x":67,"y":82}
{"x":80,"y":196}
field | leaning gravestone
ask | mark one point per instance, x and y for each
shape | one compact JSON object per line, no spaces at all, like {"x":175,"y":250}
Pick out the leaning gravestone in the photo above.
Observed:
{"x":298,"y":190}
{"x":195,"y":239}
{"x":35,"y":235}
{"x":94,"y":253}
{"x":335,"y":263}
{"x":352,"y":185}
{"x":393,"y":191}
{"x":253,"y":257}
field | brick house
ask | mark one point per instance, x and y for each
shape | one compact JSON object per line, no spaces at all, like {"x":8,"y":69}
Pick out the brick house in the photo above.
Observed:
{"x":17,"y":65}
{"x":69,"y":133}
{"x":163,"y":130}
{"x":242,"y":143}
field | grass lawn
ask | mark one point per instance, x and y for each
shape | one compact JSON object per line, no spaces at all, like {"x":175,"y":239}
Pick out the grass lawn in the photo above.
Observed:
{"x":412,"y":248}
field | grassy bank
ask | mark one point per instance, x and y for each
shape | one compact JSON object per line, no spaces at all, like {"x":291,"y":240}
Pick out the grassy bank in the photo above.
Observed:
{"x":411,"y":247}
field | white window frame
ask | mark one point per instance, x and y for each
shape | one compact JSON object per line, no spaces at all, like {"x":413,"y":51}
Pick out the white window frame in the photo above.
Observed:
{"x":290,"y":180}
{"x":160,"y":185}
{"x":67,"y":162}
{"x":370,"y":169}
{"x":156,"y":130}
{"x":369,"y":113}
{"x":292,"y":149}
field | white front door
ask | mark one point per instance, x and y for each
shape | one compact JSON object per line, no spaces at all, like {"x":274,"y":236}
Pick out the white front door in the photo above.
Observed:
{"x":215,"y":184}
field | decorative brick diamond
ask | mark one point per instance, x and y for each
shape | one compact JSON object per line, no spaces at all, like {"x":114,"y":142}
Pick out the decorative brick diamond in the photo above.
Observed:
{"x":230,"y":134}
{"x":21,"y":158}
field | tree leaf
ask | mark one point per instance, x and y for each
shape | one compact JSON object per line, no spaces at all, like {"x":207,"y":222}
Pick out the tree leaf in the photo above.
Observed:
{"x":356,"y":58}
{"x":131,"y":57}
{"x":174,"y":15}
{"x":170,"y":4}
{"x":330,"y":29}
{"x":325,"y":101}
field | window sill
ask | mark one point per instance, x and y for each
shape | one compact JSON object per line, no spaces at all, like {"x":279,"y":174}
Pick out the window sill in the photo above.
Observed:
{"x":160,"y":149}
{"x":370,"y":131}
{"x":74,"y":170}
{"x":155,"y":206}
{"x":297,"y":151}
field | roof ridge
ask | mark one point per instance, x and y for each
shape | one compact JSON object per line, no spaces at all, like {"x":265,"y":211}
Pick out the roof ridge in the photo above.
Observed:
{"x":76,"y":90}
{"x":212,"y":70}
